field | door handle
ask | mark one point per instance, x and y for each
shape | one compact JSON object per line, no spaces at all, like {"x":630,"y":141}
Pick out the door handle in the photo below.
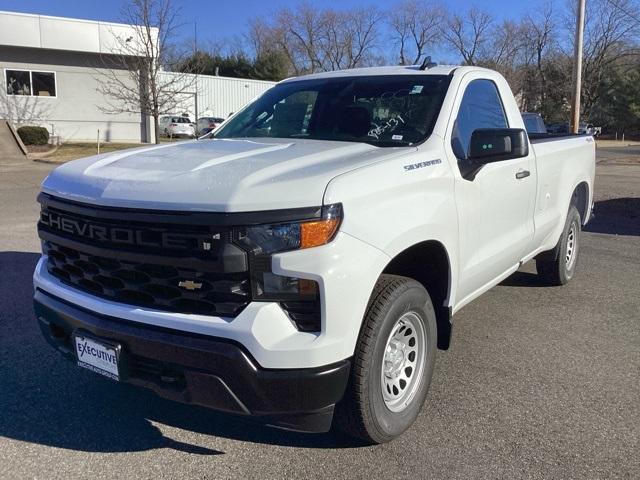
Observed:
{"x":520,"y":174}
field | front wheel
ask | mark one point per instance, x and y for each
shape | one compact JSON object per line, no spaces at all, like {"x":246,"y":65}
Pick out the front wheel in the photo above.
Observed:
{"x":561,"y":269}
{"x":393,"y":362}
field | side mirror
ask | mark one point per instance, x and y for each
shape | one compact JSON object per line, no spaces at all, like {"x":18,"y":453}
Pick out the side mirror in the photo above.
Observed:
{"x":496,"y":144}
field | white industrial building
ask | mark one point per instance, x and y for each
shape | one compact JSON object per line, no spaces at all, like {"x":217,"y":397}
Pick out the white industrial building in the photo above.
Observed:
{"x":52,"y":68}
{"x":219,"y":96}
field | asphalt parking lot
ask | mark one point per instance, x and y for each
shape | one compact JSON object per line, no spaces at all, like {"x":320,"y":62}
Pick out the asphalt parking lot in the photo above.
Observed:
{"x":541,"y":382}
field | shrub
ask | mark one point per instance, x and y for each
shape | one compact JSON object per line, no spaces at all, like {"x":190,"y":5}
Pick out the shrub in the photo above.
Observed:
{"x":34,"y":135}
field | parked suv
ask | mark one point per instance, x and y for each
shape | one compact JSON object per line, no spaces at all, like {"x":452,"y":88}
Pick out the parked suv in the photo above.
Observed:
{"x":533,"y":122}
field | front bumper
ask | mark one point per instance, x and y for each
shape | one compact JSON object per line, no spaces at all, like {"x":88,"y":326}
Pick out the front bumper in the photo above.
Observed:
{"x":197,"y":369}
{"x":346,"y":270}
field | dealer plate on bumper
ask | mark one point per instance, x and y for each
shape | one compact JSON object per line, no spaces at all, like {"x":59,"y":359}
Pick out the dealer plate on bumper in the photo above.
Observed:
{"x":98,"y":356}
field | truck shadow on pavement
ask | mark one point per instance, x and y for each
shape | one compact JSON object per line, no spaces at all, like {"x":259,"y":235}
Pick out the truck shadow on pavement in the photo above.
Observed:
{"x":616,"y":216}
{"x":49,"y":401}
{"x":523,"y":279}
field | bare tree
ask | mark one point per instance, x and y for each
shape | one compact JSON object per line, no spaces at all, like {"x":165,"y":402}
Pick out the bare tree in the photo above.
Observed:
{"x":360,"y":36}
{"x":501,"y":51}
{"x":538,"y":39}
{"x":415,"y":26}
{"x":611,"y":38}
{"x":505,"y":45}
{"x":538,"y":32}
{"x":300,"y":35}
{"x":24,"y":109}
{"x":133,"y":78}
{"x":315,"y":40}
{"x":467,"y":33}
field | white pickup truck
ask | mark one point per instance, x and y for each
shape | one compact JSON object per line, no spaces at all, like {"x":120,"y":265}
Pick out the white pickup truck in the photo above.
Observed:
{"x":303,"y":265}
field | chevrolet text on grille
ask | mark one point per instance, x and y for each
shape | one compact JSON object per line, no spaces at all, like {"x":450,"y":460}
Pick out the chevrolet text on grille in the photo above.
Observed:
{"x":125,"y":236}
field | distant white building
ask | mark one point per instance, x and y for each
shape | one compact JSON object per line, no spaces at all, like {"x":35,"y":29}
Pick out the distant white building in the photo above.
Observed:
{"x":219,"y":96}
{"x":51,"y":70}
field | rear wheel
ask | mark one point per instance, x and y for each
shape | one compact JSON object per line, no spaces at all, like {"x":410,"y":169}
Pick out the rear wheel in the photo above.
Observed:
{"x":560,"y":269}
{"x":393,"y":362}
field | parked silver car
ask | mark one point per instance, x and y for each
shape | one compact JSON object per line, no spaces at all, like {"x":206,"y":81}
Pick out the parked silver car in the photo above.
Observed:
{"x":177,"y":126}
{"x":206,"y":124}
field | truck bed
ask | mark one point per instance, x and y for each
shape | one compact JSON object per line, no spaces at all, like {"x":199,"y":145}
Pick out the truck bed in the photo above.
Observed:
{"x":547,"y":137}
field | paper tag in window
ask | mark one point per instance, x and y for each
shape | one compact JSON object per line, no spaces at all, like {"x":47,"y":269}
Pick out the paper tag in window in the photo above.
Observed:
{"x":416,"y":89}
{"x":396,"y":137}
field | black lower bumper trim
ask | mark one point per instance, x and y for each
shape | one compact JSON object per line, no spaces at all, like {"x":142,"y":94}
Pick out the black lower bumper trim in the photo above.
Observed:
{"x":202,"y":370}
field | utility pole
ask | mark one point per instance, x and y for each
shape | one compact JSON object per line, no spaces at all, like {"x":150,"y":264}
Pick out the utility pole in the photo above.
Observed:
{"x":195,"y":57}
{"x":577,"y":67}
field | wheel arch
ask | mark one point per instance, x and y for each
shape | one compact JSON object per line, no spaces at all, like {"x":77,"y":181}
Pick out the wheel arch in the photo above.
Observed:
{"x":580,"y":198}
{"x":428,"y":263}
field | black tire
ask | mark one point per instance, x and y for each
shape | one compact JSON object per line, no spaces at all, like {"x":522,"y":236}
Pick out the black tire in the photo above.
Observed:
{"x":363,"y":412}
{"x":559,"y":267}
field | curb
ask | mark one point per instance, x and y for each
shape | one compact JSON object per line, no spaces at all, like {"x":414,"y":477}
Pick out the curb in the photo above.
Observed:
{"x":43,"y":157}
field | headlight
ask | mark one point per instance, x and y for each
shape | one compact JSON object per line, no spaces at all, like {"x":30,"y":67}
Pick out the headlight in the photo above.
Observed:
{"x":299,"y":297}
{"x":269,"y":239}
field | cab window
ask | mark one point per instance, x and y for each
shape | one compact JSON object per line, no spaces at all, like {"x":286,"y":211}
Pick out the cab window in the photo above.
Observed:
{"x":481,"y":107}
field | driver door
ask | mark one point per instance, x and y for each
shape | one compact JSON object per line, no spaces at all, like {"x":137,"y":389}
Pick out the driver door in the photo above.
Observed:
{"x":494,"y":205}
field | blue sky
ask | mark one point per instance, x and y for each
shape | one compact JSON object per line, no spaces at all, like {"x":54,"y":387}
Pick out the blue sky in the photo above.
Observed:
{"x":224,"y":19}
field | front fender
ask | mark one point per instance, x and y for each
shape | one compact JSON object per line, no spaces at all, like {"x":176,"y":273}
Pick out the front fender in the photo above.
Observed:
{"x":392,"y":208}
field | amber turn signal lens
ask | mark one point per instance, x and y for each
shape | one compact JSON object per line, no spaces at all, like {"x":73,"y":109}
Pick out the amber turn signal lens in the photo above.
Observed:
{"x":307,"y":287}
{"x":318,"y":233}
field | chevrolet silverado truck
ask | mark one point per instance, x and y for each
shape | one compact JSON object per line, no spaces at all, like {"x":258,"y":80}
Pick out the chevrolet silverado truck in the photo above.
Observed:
{"x":302,"y":265}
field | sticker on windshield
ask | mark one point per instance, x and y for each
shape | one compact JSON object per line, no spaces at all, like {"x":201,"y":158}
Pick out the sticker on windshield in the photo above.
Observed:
{"x":396,"y":137}
{"x":389,"y":126}
{"x":416,"y":89}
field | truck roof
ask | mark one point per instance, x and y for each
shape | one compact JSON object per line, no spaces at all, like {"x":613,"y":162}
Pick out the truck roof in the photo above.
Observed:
{"x":389,"y":70}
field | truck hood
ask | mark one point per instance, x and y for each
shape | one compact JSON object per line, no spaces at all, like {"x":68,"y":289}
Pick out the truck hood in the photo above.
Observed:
{"x":222,"y":175}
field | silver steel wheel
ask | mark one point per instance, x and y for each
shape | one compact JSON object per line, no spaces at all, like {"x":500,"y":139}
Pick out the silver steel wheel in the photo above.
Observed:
{"x":403,"y":363}
{"x":572,"y":246}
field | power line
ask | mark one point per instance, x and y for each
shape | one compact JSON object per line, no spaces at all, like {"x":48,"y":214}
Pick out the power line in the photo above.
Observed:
{"x":623,"y":10}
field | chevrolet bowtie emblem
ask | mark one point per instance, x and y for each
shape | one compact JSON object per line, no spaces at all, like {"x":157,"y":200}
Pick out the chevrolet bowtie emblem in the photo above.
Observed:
{"x":190,"y":284}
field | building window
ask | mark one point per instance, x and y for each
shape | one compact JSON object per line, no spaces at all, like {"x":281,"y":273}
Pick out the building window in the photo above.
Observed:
{"x":44,"y":84}
{"x":26,"y":82}
{"x":18,"y":82}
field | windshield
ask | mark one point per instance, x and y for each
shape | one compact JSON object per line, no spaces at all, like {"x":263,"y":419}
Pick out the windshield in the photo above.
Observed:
{"x":382,"y":110}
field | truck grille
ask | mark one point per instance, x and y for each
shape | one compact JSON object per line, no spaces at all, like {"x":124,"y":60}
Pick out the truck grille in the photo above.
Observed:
{"x":162,"y":261}
{"x":148,"y":285}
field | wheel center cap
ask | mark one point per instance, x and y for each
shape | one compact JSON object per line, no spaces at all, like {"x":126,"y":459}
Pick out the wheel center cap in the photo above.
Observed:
{"x":394,"y":359}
